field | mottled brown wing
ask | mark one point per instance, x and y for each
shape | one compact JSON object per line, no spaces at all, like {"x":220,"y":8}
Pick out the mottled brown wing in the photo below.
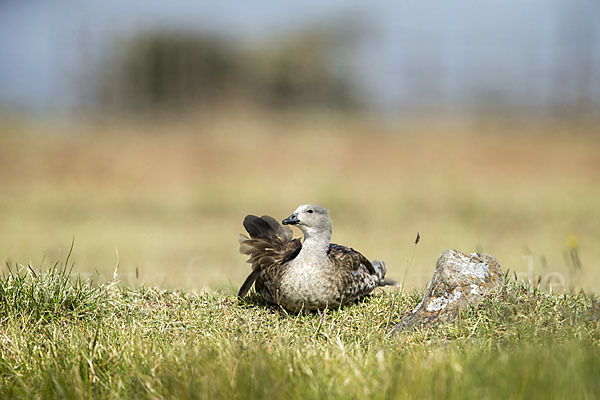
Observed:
{"x":355,"y":276}
{"x":270,"y":244}
{"x":349,"y":258}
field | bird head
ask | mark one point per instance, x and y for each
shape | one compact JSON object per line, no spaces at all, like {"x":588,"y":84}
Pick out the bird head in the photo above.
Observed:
{"x":311,"y":219}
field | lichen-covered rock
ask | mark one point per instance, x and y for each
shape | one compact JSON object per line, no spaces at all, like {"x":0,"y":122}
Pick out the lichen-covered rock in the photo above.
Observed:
{"x":458,"y":280}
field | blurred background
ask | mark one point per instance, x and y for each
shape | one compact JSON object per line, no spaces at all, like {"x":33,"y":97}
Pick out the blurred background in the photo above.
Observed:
{"x":155,"y":127}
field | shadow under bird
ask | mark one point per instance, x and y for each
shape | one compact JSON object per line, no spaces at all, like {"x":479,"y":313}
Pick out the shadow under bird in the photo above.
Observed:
{"x":310,"y":275}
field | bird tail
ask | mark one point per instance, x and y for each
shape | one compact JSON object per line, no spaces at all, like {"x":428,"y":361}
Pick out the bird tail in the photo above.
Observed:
{"x":380,"y":270}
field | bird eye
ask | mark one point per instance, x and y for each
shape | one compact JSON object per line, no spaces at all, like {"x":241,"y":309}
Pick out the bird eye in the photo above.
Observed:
{"x":309,"y":211}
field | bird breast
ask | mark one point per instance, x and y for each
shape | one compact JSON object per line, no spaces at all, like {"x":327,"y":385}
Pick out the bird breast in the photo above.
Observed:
{"x":308,"y":285}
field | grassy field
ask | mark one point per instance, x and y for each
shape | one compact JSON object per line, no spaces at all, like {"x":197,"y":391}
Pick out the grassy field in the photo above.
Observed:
{"x":171,"y":196}
{"x":74,"y":339}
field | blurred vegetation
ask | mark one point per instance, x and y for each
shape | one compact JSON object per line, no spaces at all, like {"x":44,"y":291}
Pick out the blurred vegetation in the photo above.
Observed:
{"x":171,"y":194}
{"x":182,"y":70}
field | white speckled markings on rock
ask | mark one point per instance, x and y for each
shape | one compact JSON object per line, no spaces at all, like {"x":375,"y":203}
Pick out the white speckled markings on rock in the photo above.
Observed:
{"x":458,"y":279}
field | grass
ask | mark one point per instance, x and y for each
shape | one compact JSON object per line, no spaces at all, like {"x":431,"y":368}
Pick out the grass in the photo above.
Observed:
{"x":63,"y":337}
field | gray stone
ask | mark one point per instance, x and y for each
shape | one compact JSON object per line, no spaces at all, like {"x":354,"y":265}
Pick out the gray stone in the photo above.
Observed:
{"x":459,"y":279}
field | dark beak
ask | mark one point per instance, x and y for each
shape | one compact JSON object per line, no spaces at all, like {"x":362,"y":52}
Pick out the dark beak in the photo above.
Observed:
{"x":291,"y":220}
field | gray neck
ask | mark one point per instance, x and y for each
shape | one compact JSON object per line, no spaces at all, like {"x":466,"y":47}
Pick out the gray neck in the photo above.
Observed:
{"x":315,"y":245}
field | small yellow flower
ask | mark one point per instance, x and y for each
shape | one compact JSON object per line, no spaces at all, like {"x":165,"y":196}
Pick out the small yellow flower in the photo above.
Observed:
{"x":572,"y":241}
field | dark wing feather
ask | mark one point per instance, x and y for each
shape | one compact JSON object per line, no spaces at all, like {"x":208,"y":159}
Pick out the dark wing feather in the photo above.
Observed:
{"x":347,"y":256}
{"x":358,"y":275}
{"x":248,"y":283}
{"x":270,"y":244}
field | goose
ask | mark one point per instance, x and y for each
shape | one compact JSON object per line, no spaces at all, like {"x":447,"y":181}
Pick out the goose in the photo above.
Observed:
{"x":310,"y":275}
